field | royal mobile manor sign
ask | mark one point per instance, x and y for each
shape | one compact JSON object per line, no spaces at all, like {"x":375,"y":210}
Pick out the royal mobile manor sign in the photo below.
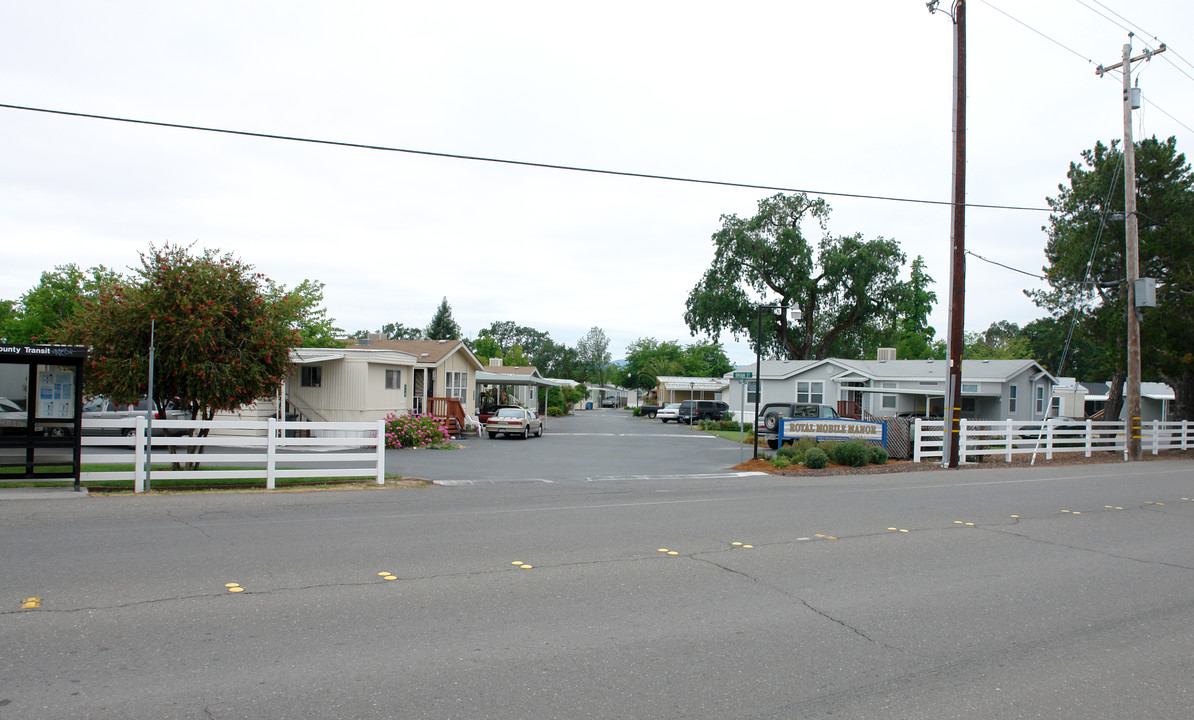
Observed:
{"x":833,"y":429}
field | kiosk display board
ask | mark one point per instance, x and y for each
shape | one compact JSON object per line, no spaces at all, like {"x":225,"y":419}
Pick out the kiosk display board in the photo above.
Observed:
{"x":41,"y":400}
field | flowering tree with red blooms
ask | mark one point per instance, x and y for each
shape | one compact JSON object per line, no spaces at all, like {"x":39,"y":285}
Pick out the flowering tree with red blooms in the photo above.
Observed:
{"x":222,"y":334}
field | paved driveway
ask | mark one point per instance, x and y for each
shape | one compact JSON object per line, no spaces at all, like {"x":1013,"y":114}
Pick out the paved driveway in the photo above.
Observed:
{"x":591,"y":446}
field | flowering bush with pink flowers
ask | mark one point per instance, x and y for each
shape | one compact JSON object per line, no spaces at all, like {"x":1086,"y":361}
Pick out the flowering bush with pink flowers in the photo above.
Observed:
{"x":416,"y":431}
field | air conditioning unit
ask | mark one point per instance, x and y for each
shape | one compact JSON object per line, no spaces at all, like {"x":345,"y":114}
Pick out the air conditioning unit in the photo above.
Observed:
{"x":887,"y":354}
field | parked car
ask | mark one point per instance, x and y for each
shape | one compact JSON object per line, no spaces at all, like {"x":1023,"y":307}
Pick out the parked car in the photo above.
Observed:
{"x":1069,"y":426}
{"x":671,"y":411}
{"x":767,"y":424}
{"x":514,"y":421}
{"x":693,"y":410}
{"x":609,"y":401}
{"x":100,"y":408}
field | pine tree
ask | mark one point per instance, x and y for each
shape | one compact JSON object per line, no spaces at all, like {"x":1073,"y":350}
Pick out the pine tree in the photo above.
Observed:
{"x":442,"y":326}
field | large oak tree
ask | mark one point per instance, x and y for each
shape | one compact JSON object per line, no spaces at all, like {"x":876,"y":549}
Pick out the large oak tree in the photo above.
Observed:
{"x":848,"y":289}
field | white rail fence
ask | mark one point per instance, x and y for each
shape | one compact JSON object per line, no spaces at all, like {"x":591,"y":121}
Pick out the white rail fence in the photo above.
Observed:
{"x":979,"y":438}
{"x":326,"y":449}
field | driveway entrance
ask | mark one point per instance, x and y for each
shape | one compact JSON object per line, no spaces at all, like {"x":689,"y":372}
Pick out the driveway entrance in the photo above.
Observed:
{"x":590,"y":446}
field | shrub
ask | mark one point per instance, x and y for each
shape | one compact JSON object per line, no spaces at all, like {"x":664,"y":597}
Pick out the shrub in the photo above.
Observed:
{"x":876,"y":455}
{"x":781,"y":461}
{"x":555,"y":411}
{"x":787,"y":451}
{"x":415,"y":431}
{"x":816,"y":458}
{"x":853,"y":453}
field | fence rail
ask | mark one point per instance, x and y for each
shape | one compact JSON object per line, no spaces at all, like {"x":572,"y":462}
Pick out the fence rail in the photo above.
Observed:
{"x":339,"y":449}
{"x":978,"y":438}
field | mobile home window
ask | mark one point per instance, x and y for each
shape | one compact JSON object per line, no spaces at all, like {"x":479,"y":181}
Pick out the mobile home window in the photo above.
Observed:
{"x":889,"y":402}
{"x":971,"y":388}
{"x":1011,"y":398}
{"x":1040,"y":399}
{"x":1055,"y":406}
{"x":752,"y":391}
{"x":393,"y":379}
{"x":311,"y":376}
{"x":457,"y":386}
{"x":810,"y":392}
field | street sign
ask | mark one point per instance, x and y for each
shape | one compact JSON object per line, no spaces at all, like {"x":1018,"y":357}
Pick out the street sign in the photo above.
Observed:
{"x":743,"y":375}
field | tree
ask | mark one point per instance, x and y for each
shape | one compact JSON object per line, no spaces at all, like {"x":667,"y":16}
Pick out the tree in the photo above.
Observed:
{"x":843,"y":292}
{"x":314,"y":327}
{"x":57,"y":296}
{"x":398,"y":331}
{"x":1003,"y":340}
{"x":593,"y":355}
{"x":1086,"y":269}
{"x":222,"y":337}
{"x":442,"y":326}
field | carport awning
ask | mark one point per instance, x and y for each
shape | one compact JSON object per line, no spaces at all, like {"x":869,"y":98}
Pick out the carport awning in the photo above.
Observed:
{"x":701,"y":385}
{"x":488,"y":378}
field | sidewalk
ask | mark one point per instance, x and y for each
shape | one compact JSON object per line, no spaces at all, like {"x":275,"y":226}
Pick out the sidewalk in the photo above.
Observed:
{"x":49,"y":493}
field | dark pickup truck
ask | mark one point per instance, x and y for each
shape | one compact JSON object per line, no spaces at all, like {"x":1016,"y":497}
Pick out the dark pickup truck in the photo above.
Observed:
{"x":648,"y":411}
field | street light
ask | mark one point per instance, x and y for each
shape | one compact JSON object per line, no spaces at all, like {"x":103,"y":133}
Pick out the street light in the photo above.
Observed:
{"x":795,"y":315}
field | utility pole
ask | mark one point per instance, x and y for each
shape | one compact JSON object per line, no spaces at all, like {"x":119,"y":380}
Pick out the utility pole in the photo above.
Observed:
{"x":1131,"y":252}
{"x":957,"y":277}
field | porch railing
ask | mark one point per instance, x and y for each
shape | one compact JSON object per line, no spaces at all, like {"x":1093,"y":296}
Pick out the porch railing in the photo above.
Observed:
{"x":451,"y":410}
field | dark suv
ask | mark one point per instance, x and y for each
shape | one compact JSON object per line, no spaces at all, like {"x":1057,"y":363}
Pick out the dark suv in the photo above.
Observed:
{"x":767,"y":426}
{"x":705,"y":410}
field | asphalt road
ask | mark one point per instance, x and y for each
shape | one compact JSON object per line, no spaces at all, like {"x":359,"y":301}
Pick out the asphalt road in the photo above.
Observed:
{"x":590,"y":446}
{"x":1053,"y":603}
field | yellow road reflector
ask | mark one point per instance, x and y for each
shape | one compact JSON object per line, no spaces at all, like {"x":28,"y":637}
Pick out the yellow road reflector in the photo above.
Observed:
{"x":32,"y":603}
{"x":902,"y":530}
{"x":893,"y":529}
{"x":1158,"y":503}
{"x":672,"y":552}
{"x":236,"y":589}
{"x":1017,"y":517}
{"x":830,"y":537}
{"x":1118,"y":507}
{"x":969,"y":524}
{"x":526,"y":567}
{"x":736,"y":544}
{"x":662,"y":550}
{"x":383,"y":573}
{"x":518,"y":562}
{"x":748,"y":547}
{"x":389,"y":577}
{"x":1077,"y":512}
{"x":1108,"y":507}
{"x":231,"y":585}
{"x":1065,"y":511}
{"x":819,"y":535}
{"x":958,"y":522}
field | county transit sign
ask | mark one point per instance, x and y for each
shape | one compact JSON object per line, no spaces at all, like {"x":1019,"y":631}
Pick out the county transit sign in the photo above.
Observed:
{"x":832,"y":429}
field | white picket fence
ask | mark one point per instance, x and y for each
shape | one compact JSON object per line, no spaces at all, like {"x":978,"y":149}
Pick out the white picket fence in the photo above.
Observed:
{"x":337,"y":449}
{"x":977,"y":438}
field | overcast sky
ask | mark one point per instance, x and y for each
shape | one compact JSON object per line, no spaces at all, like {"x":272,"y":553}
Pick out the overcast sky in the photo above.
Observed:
{"x":833,"y":97}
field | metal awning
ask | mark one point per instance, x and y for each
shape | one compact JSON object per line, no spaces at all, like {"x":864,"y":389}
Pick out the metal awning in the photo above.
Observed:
{"x":489,"y":378}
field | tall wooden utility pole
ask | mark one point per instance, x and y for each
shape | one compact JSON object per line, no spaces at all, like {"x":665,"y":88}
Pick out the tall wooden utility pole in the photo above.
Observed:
{"x":1131,"y":253}
{"x":957,"y":277}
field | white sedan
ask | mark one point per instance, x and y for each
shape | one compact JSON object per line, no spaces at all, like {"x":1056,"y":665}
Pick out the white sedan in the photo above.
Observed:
{"x":514,"y":421}
{"x":671,"y":411}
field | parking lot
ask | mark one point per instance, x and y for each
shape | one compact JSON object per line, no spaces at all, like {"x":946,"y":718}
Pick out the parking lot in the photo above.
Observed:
{"x":590,"y":446}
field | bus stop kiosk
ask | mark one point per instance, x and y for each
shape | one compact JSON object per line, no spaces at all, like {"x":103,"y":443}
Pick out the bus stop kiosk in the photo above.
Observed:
{"x":41,"y":411}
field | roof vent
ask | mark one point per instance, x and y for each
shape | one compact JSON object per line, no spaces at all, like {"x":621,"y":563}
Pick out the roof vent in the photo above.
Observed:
{"x":930,"y":360}
{"x":423,"y":355}
{"x":441,"y":342}
{"x":886,"y":354}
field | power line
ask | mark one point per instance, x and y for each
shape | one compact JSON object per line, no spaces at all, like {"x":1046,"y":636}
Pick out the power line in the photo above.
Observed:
{"x":1038,"y":32}
{"x":522,"y":163}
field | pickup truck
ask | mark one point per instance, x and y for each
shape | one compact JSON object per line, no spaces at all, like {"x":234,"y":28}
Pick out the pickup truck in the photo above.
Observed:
{"x":767,"y":425}
{"x":648,"y":410}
